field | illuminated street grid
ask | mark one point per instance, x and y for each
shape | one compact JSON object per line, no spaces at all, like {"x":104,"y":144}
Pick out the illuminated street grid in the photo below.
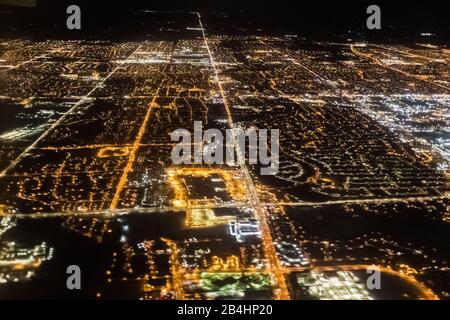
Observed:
{"x":365,"y":132}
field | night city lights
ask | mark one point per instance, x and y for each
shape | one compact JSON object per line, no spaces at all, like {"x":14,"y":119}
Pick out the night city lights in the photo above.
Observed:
{"x":338,"y":182}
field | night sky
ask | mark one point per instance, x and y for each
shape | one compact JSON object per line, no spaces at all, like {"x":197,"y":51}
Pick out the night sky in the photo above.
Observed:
{"x":281,"y":15}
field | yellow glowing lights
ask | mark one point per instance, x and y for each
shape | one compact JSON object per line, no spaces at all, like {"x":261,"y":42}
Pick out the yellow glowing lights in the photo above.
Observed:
{"x":113,"y":152}
{"x":233,"y":182}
